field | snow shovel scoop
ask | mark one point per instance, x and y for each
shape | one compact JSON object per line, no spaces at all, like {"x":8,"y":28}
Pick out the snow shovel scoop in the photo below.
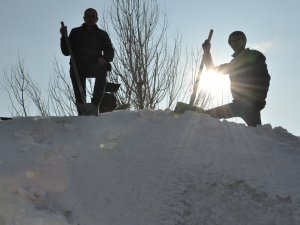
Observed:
{"x":182,"y":107}
{"x":85,"y":108}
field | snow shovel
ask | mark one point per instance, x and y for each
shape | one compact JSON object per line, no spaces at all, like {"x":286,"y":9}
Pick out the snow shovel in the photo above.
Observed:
{"x":85,"y":108}
{"x":182,"y":107}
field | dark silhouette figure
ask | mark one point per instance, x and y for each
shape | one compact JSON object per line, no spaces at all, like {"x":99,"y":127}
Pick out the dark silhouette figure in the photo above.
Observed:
{"x":93,"y":51}
{"x":249,"y":79}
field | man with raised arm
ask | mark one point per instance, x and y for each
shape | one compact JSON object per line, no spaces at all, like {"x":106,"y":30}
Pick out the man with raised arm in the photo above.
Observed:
{"x":249,"y":79}
{"x":93,"y":51}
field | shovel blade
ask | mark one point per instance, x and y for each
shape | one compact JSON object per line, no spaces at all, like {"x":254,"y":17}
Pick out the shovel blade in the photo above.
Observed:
{"x":182,"y":107}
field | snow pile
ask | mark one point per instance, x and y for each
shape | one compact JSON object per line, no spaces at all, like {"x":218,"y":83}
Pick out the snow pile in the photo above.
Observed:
{"x":148,"y":168}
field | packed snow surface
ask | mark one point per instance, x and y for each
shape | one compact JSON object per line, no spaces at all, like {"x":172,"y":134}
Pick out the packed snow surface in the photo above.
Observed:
{"x":147,"y":168}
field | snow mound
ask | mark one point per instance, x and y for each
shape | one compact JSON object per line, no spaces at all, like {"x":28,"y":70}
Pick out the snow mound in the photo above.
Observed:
{"x":147,"y":167}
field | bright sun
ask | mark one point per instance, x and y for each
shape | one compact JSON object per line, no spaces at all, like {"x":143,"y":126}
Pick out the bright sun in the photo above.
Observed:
{"x":218,"y":85}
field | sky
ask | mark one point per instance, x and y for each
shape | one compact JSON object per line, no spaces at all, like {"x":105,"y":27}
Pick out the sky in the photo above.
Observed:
{"x":30,"y":29}
{"x":232,"y":174}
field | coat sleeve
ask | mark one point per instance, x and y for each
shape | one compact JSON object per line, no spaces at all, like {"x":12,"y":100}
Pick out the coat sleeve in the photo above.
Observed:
{"x":63,"y":44}
{"x":108,"y":50}
{"x":224,"y":68}
{"x":63,"y":47}
{"x":256,"y":77}
{"x":261,"y":75}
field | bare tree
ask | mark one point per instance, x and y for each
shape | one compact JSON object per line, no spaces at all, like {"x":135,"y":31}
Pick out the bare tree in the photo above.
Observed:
{"x":60,"y":93}
{"x":145,"y":64}
{"x":24,"y":94}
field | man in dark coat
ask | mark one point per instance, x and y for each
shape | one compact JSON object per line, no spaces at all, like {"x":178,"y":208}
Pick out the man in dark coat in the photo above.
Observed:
{"x":249,"y":79}
{"x":93,"y":51}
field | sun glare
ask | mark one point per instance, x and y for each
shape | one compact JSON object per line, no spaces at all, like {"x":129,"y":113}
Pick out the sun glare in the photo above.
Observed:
{"x":218,"y":85}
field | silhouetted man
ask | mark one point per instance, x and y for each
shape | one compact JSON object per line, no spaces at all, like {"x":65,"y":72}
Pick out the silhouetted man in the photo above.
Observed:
{"x":249,"y":79}
{"x":93,"y":51}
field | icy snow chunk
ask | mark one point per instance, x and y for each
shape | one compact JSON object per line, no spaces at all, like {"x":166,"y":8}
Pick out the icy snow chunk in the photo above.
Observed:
{"x":108,"y":146}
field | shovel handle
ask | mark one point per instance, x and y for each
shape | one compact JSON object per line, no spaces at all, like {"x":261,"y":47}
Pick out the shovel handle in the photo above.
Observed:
{"x":210,"y":34}
{"x":196,"y":83}
{"x":82,"y":96}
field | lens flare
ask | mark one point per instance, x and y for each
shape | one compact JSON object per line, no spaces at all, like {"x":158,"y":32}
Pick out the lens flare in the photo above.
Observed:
{"x":217,"y":85}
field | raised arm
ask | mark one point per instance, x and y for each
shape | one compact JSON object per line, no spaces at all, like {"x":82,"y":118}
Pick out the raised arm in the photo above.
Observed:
{"x":207,"y":56}
{"x":223,"y":68}
{"x":63,"y":44}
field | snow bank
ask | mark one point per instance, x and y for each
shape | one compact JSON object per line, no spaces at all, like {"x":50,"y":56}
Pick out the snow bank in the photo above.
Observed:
{"x":148,"y":168}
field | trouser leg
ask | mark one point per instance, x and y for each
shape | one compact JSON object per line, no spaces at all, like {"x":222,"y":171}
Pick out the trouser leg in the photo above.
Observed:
{"x":78,"y":97}
{"x":251,"y":116}
{"x":77,"y":94}
{"x":90,"y":70}
{"x":223,"y":112}
{"x":100,"y":74}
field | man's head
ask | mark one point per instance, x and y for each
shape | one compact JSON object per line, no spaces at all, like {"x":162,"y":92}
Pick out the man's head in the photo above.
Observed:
{"x":237,"y":41}
{"x":90,"y":17}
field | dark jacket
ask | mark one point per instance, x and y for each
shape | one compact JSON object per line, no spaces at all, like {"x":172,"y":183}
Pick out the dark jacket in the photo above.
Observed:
{"x":249,"y":78}
{"x":88,"y":45}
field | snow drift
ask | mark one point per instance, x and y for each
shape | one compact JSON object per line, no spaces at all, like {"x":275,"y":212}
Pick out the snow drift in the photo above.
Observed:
{"x":149,"y":168}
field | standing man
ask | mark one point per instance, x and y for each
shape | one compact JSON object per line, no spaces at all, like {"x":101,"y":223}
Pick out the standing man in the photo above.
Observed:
{"x":93,"y":51}
{"x":249,"y":79}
